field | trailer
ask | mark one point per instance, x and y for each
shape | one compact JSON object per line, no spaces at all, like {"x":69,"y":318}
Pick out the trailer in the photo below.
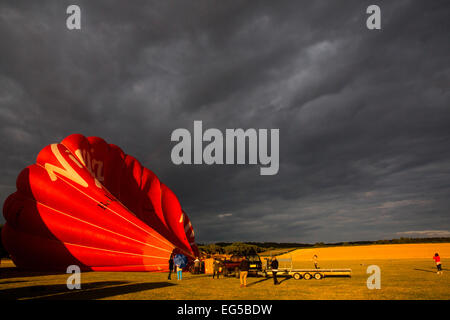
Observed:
{"x":307,"y":274}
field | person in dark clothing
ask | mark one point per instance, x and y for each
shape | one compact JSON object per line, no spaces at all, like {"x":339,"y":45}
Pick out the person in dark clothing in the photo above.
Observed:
{"x":243,"y":268}
{"x":274,"y":266}
{"x":170,"y":267}
{"x":216,"y":268}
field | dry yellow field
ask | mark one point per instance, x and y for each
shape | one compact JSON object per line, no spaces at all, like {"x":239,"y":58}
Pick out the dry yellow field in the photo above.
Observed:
{"x":372,"y":252}
{"x":400,"y":279}
{"x":407,"y":272}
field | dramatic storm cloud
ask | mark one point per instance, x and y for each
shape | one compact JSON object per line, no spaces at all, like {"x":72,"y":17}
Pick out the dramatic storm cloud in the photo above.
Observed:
{"x":364,"y":115}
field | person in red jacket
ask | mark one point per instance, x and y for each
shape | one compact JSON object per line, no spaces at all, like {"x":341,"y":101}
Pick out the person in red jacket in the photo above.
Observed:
{"x":437,"y":259}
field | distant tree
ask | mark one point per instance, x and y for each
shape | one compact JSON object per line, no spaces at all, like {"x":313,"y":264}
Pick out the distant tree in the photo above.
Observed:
{"x":319,"y":244}
{"x":241,"y":248}
{"x":212,"y":248}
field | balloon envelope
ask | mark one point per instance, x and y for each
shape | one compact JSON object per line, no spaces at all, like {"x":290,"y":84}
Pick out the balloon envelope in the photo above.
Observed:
{"x":85,"y":202}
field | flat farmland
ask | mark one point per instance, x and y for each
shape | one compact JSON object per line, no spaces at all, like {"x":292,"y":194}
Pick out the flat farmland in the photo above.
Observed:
{"x":400,"y":279}
{"x":372,"y":252}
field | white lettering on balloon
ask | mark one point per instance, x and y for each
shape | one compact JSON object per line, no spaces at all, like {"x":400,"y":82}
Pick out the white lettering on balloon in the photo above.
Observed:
{"x":95,"y":167}
{"x":66,"y":170}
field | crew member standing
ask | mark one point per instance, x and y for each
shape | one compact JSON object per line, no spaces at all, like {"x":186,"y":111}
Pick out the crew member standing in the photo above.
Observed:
{"x":170,"y":267}
{"x":196,"y":266}
{"x":243,"y":268}
{"x":274,"y":266}
{"x":316,"y":262}
{"x":216,"y":268}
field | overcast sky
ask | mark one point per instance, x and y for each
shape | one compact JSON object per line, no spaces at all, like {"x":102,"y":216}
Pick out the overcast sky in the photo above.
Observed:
{"x":364,"y":115}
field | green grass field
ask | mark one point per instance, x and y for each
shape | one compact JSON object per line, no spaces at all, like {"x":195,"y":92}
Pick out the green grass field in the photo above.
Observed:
{"x":400,"y":279}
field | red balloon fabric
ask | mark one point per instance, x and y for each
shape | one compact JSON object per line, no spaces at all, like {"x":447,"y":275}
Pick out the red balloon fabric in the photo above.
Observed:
{"x":85,"y":202}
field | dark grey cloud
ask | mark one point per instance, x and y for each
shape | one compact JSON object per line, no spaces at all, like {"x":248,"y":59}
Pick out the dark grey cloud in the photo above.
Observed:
{"x":363,"y":115}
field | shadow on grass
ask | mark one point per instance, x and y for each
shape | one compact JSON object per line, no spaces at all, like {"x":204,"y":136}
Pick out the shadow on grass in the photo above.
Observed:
{"x":429,"y":270}
{"x":14,"y":272}
{"x":285,"y":279}
{"x":88,"y":291}
{"x":259,"y":281}
{"x":194,"y":276}
{"x":8,"y":282}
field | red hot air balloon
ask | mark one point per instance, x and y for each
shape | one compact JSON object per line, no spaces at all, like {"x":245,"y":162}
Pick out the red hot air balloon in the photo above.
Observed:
{"x":85,"y":202}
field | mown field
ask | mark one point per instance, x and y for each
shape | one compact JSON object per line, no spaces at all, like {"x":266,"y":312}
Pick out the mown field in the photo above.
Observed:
{"x":400,"y":279}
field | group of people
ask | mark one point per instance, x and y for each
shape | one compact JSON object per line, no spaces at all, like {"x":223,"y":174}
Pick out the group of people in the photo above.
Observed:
{"x":177,"y":267}
{"x":244,"y":267}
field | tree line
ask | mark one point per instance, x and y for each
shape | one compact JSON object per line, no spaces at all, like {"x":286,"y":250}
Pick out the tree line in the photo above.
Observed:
{"x":257,"y":247}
